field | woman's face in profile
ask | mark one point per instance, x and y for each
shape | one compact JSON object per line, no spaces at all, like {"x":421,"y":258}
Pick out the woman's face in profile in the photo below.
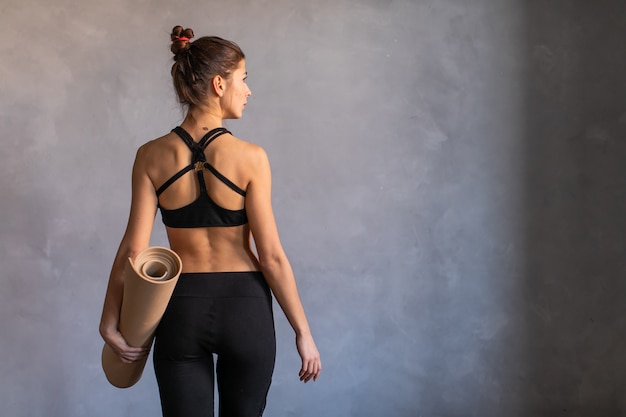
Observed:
{"x":236,"y":93}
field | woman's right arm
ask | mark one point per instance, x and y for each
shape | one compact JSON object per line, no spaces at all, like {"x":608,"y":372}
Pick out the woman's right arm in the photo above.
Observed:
{"x":136,"y":238}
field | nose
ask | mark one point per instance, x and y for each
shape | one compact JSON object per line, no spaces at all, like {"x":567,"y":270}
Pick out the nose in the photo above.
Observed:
{"x":248,"y":92}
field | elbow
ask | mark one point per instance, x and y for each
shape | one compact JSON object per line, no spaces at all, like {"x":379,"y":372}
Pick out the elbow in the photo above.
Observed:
{"x":132,"y":253}
{"x":106,"y":330}
{"x":103,"y":330}
{"x":126,"y":252}
{"x":272,"y":264}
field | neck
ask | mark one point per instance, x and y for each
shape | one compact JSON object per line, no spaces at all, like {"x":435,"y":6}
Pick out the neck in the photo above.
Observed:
{"x":200,"y":120}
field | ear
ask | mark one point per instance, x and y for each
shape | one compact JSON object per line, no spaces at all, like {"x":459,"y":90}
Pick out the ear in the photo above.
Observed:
{"x":218,"y":84}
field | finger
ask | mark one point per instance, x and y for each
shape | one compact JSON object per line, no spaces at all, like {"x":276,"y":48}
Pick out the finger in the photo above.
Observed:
{"x":131,"y":358}
{"x":130,"y":355}
{"x":316,"y":375}
{"x":306,"y":374}
{"x":131,"y":349}
{"x":315,"y":369}
{"x":304,"y":371}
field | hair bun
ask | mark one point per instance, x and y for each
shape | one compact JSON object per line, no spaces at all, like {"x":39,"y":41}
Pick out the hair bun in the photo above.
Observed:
{"x":180,"y":39}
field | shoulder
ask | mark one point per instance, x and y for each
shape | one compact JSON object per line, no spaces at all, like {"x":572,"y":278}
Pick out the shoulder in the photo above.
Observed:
{"x":158,"y":144}
{"x":151,"y":155}
{"x":252,"y":153}
{"x":155,"y":148}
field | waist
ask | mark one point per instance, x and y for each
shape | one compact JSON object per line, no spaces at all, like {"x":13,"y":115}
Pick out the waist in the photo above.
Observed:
{"x":213,"y":249}
{"x":221,"y":284}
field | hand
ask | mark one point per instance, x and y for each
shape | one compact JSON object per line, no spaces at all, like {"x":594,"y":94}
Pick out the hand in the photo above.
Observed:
{"x":127,"y":354}
{"x":311,"y":363}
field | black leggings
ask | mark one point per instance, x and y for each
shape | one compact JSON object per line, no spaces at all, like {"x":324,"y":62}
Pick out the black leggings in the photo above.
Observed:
{"x":224,"y":313}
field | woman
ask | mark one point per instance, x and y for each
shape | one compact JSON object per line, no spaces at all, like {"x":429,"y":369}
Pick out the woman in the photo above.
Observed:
{"x":213,"y":191}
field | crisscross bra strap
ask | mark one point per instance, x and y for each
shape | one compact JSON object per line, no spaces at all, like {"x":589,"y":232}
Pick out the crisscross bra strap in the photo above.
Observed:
{"x":198,"y":156}
{"x":197,"y":149}
{"x":174,"y":178}
{"x":225,"y":180}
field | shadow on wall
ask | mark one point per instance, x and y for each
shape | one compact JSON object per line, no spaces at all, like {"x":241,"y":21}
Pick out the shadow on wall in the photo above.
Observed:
{"x":576,"y":209}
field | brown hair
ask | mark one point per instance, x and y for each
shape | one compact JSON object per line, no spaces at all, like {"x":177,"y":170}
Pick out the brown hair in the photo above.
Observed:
{"x":197,"y":62}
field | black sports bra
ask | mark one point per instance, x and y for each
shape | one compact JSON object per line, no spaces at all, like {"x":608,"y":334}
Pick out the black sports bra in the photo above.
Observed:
{"x":203,"y":212}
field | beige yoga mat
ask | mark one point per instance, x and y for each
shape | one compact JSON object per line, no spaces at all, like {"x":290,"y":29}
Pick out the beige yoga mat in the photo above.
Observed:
{"x":149,"y":281}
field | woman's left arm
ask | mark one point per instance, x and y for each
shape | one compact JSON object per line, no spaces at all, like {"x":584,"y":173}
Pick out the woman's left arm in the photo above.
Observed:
{"x":136,"y":238}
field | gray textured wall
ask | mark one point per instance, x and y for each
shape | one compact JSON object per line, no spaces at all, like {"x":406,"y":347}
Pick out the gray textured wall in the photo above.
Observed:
{"x":449,"y":185}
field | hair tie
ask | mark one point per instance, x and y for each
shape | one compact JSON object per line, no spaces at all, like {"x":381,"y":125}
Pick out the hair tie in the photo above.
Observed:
{"x":181,"y":38}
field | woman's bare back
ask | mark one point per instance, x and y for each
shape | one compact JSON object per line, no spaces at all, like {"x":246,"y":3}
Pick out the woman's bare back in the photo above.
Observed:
{"x":204,"y":249}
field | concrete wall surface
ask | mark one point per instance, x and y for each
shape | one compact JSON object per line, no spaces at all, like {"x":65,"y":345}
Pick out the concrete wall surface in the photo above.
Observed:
{"x":449,"y":184}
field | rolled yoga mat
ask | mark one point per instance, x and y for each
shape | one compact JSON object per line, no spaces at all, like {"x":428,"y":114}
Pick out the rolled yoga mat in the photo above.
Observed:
{"x":149,"y":281}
